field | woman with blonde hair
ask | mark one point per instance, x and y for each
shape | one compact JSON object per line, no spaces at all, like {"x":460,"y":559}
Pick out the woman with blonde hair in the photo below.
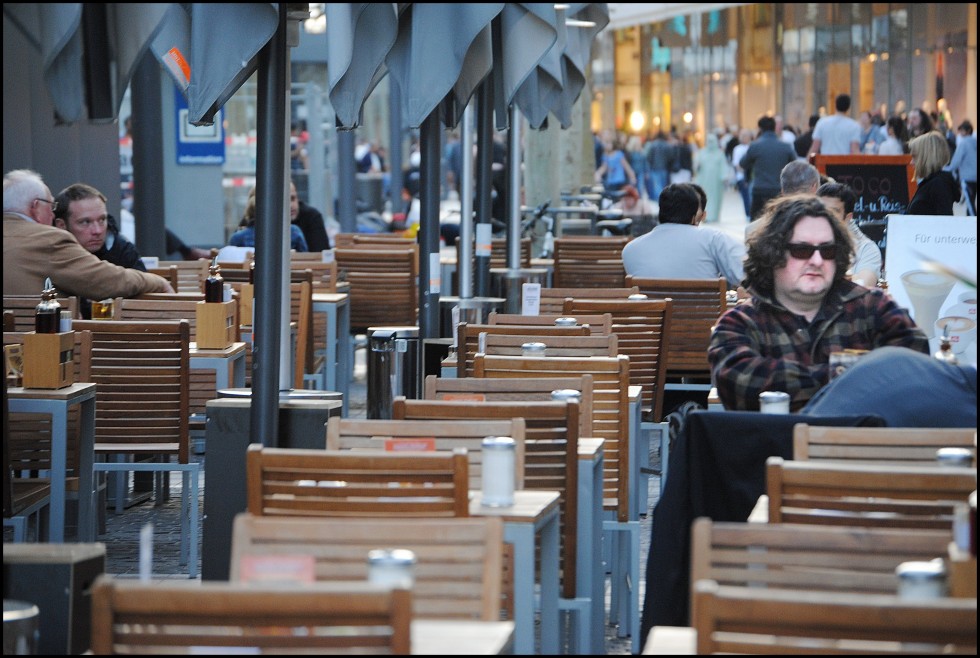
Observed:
{"x":937,"y":191}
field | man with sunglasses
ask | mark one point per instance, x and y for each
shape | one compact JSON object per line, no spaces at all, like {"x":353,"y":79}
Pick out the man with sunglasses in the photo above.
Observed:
{"x":34,"y":250}
{"x":801,"y":308}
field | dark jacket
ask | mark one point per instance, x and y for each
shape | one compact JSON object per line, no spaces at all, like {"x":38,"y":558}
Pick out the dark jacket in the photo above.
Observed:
{"x":310,"y":221}
{"x":764,"y":161}
{"x":935,"y":195}
{"x":122,"y":252}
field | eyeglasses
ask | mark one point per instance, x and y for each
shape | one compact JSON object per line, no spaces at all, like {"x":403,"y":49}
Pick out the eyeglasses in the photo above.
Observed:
{"x":87,"y":223}
{"x":803,"y":251}
{"x":54,"y":204}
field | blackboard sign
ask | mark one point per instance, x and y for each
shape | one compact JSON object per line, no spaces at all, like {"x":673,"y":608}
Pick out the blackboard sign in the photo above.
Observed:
{"x":884,"y":185}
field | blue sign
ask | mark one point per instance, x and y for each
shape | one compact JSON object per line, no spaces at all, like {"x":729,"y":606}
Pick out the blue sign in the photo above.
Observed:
{"x":198,"y":145}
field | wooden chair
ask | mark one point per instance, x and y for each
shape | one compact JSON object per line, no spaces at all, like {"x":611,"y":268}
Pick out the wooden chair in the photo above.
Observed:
{"x":598,"y":324}
{"x":373,"y":241}
{"x":190,"y":273}
{"x":881,"y":445}
{"x":23,"y":498}
{"x":498,"y":256}
{"x":323,"y":483}
{"x":170,"y":273}
{"x":751,"y":620}
{"x":383,"y":290}
{"x":807,"y":557}
{"x":862,"y":494}
{"x":553,"y":299}
{"x":643,"y":327}
{"x":610,"y":421}
{"x":203,"y":382}
{"x":595,"y":262}
{"x":468,"y":339}
{"x":591,"y":345}
{"x":394,"y":435}
{"x":551,"y":453}
{"x":142,"y":370}
{"x":529,"y":389}
{"x":131,"y":617}
{"x":22,"y":309}
{"x":697,"y":305}
{"x":459,"y":562}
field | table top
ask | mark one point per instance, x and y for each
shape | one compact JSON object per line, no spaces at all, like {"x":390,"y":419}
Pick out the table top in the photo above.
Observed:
{"x":451,"y":637}
{"x":68,"y":393}
{"x":229,"y":351}
{"x":529,"y":505}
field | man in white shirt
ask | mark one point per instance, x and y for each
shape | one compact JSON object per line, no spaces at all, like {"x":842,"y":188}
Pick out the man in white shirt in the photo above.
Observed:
{"x":837,"y":134}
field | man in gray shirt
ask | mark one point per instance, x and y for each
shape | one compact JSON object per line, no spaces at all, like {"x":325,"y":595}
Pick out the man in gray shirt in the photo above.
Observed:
{"x":680,"y":249}
{"x":837,"y":134}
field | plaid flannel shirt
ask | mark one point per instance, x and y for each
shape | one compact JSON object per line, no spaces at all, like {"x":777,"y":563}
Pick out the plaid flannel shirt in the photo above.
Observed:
{"x":759,"y":345}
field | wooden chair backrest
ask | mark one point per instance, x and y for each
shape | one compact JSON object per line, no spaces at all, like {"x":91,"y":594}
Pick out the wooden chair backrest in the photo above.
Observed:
{"x":458,"y":566}
{"x":589,"y":262}
{"x":598,"y":324}
{"x":498,"y":252}
{"x":142,"y":370}
{"x":170,"y":273}
{"x":884,"y":445}
{"x":23,"y":306}
{"x":864,"y":494}
{"x":553,"y":299}
{"x":808,"y":557}
{"x":752,"y":620}
{"x":383,"y":290}
{"x":591,"y":345}
{"x":610,"y":408}
{"x":133,"y":617}
{"x":551,"y":457}
{"x":392,"y":435}
{"x":697,"y":305}
{"x":530,"y":389}
{"x":372,"y":240}
{"x":281,"y":482}
{"x":468,"y":339}
{"x":190,"y":273}
{"x":644,"y":328}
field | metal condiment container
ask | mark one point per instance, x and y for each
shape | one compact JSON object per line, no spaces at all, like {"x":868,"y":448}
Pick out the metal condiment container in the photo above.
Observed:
{"x":566,"y":395}
{"x":498,"y":471}
{"x":533,"y":349}
{"x":565,"y":322}
{"x":774,"y":402}
{"x":921,"y":580}
{"x":393,"y":568}
{"x":638,"y":295}
{"x":954,"y":457}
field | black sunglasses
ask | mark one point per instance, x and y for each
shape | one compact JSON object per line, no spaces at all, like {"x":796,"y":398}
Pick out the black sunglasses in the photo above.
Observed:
{"x":803,"y":251}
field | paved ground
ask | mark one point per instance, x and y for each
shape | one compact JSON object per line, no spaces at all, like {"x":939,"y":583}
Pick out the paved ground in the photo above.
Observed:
{"x":123,"y":531}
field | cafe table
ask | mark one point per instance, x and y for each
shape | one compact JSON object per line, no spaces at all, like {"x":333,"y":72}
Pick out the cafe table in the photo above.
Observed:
{"x":337,"y":368}
{"x":533,"y":514}
{"x":228,"y":364}
{"x":56,"y":403}
{"x":454,"y":637}
{"x":590,"y":577}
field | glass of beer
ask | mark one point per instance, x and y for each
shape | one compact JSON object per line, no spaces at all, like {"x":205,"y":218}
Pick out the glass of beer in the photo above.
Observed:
{"x":102,"y":310}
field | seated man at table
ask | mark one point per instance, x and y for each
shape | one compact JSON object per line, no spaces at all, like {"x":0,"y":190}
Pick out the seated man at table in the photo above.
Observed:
{"x":866,"y":264}
{"x":82,"y":212}
{"x":801,"y":308}
{"x":680,"y":249}
{"x":33,"y":250}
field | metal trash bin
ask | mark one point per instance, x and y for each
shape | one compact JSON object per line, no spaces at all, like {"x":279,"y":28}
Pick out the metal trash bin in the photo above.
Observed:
{"x":393,"y":368}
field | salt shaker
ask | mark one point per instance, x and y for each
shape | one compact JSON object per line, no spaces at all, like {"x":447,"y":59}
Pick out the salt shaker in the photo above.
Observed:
{"x":921,"y":580}
{"x":533,"y":349}
{"x":565,"y":322}
{"x":393,"y":568}
{"x":498,"y":471}
{"x":774,"y":402}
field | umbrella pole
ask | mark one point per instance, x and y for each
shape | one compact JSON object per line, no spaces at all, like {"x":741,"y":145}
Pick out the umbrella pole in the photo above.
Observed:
{"x":429,"y":226}
{"x":514,"y":224}
{"x":465,"y":264}
{"x":484,"y":173}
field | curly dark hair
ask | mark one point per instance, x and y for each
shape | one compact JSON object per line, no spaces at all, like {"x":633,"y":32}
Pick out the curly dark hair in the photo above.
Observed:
{"x":767,"y":244}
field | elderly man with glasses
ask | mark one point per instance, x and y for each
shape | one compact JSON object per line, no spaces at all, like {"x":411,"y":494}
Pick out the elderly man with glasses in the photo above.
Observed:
{"x":801,"y":308}
{"x":33,"y":249}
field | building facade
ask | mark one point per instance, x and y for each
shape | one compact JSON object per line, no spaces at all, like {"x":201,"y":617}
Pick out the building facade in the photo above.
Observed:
{"x":713,"y":68}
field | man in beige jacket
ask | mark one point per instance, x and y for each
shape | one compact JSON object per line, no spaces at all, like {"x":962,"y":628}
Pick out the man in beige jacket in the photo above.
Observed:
{"x":34,"y":250}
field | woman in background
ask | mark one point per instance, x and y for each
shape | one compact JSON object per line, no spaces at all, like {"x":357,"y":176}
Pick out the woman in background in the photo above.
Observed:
{"x":938,"y":190}
{"x":711,"y":169}
{"x":897,"y":141}
{"x":245,"y":235}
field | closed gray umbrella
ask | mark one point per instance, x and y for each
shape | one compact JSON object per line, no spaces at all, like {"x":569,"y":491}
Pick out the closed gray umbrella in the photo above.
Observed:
{"x":527,"y":33}
{"x":359,"y":36}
